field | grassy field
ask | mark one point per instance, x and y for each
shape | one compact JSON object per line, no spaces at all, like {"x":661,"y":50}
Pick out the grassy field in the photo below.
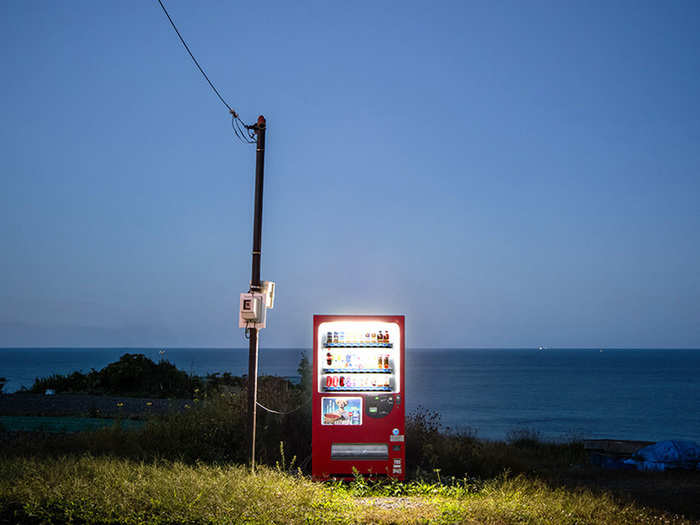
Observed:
{"x":86,"y":489}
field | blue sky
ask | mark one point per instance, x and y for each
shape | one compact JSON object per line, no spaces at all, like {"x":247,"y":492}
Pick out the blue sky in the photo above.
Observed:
{"x":505,"y":174}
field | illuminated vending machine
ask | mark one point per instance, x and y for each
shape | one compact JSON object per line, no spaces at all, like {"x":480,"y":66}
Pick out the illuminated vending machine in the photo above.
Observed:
{"x":358,"y":396}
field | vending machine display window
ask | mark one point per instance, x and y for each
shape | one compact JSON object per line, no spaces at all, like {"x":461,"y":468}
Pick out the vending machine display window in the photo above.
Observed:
{"x":359,"y":357}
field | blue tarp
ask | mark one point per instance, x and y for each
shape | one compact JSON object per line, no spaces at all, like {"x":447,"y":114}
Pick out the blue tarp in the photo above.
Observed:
{"x":667,"y":454}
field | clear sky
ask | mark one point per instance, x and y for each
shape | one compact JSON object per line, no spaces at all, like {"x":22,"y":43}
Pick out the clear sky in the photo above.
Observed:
{"x":505,"y":174}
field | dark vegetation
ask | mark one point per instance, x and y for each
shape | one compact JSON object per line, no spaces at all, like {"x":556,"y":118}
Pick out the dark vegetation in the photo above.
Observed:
{"x":431,"y":449}
{"x":138,"y":376}
{"x":211,"y":428}
{"x":211,"y":431}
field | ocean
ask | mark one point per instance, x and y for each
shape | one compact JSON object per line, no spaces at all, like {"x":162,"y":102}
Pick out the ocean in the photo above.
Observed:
{"x":559,"y":393}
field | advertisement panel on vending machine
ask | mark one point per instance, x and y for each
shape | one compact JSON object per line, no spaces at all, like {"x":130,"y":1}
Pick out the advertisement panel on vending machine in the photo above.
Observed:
{"x":358,"y":396}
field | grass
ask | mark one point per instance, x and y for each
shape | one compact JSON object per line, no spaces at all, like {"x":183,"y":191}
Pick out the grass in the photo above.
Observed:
{"x":87,"y":489}
{"x":109,"y":490}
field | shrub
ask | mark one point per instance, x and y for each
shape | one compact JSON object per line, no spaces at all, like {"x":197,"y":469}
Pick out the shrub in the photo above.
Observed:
{"x":132,"y":375}
{"x":212,"y":428}
{"x":431,"y":448}
{"x":524,"y":437}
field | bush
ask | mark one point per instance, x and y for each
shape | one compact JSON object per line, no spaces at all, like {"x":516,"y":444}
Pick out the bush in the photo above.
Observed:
{"x":435,"y":451}
{"x":214,"y":428}
{"x":211,"y":428}
{"x":524,"y":437}
{"x":132,"y":375}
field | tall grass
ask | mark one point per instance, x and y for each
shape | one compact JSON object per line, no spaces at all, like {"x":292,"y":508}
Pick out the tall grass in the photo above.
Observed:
{"x":211,"y":429}
{"x":108,"y":490}
{"x":431,"y":448}
{"x":87,"y":489}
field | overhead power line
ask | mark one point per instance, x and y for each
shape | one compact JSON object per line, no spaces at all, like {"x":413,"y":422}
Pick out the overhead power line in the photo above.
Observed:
{"x":242,"y":130}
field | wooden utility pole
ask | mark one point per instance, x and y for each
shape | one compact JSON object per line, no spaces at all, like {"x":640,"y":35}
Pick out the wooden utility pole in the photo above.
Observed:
{"x":255,"y":285}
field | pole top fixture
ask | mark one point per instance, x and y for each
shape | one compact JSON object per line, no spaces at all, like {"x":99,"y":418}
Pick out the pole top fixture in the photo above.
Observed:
{"x":261,"y":121}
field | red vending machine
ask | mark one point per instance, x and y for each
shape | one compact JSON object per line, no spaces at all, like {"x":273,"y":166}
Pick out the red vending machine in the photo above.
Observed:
{"x":358,"y":396}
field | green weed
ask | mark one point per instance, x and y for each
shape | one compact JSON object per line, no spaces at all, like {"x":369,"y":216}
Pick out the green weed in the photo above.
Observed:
{"x":89,"y":489}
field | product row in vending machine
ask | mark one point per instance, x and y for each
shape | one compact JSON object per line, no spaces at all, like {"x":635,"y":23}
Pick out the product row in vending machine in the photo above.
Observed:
{"x":380,"y":338}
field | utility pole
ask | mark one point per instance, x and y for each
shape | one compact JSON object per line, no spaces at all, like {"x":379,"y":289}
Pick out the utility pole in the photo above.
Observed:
{"x":252,"y":308}
{"x":255,"y":285}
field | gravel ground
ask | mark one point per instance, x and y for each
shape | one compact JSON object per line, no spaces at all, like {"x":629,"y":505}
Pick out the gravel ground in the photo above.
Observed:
{"x":86,"y":405}
{"x":394,"y":502}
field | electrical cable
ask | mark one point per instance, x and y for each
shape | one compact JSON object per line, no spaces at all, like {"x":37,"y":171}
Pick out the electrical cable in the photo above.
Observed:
{"x":235,"y":129}
{"x":246,"y":332}
{"x":193,"y":58}
{"x":249,"y":136}
{"x":282,"y":413}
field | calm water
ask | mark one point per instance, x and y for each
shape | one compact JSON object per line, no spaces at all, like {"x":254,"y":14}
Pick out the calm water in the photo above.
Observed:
{"x":623,"y":394}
